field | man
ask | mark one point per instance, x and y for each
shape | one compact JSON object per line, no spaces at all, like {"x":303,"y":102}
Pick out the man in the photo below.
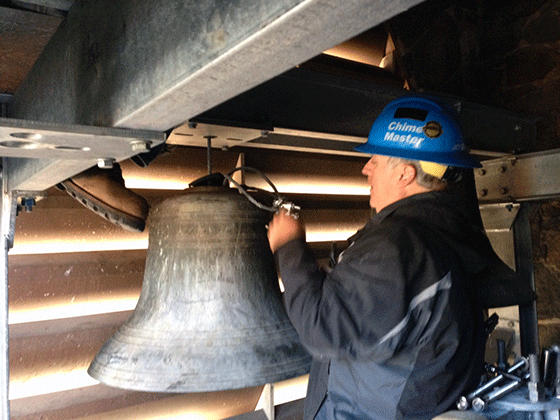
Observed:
{"x":396,"y":328}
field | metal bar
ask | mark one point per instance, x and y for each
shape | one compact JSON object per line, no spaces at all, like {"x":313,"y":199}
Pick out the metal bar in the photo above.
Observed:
{"x":268,"y":394}
{"x":66,"y":147}
{"x":153,"y":65}
{"x":7,"y":228}
{"x":528,"y":323}
{"x":121,"y":69}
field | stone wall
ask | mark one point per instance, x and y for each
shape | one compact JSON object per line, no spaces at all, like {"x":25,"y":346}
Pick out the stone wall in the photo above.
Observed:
{"x":504,"y":54}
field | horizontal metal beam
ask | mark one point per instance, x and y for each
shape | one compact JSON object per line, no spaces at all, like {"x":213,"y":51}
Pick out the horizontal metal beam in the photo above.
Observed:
{"x":533,"y":176}
{"x":153,"y":65}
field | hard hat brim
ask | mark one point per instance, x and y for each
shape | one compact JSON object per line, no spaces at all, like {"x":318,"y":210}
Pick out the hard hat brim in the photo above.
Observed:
{"x":459,"y":158}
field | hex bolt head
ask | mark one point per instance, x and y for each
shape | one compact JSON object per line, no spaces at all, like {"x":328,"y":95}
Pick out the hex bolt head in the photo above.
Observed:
{"x":140,"y":146}
{"x":483,"y":192}
{"x":482,"y":171}
{"x":105,"y":163}
{"x":478,"y":404}
{"x":462,"y":403}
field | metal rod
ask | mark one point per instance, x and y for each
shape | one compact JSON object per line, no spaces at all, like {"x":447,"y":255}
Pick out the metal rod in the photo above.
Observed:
{"x":480,"y":404}
{"x":209,"y":153}
{"x":490,"y":384}
{"x":528,"y":325}
{"x":495,"y":370}
{"x":5,"y":225}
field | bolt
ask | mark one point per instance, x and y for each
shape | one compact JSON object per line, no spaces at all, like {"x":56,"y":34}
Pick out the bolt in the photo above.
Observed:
{"x":140,"y":146}
{"x":192,"y":125}
{"x":105,"y":163}
{"x":462,"y":403}
{"x":478,"y":404}
{"x":225,"y":148}
{"x":504,"y":190}
{"x":483,"y":192}
{"x":509,"y":207}
{"x":264,"y":133}
{"x":502,"y":169}
{"x":482,"y":171}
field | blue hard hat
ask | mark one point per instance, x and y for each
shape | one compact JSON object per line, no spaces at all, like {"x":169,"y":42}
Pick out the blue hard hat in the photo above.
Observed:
{"x":419,"y":127}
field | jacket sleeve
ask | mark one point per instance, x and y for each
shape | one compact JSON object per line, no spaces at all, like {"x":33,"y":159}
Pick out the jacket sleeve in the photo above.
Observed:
{"x":347,"y":312}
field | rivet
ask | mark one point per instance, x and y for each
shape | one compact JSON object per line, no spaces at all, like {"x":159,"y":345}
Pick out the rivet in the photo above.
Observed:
{"x":483,"y":192}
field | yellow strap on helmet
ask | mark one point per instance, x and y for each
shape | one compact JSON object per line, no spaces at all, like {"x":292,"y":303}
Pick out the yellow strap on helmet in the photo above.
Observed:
{"x":432,"y":168}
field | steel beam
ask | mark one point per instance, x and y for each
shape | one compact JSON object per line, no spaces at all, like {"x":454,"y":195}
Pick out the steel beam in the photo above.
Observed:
{"x":532,"y":176}
{"x":153,"y":65}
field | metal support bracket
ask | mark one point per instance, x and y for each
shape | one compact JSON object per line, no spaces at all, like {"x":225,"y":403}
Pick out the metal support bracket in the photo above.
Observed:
{"x":74,"y":148}
{"x":532,"y":176}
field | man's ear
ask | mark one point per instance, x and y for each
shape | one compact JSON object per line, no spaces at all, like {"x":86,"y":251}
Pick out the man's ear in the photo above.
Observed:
{"x":408,"y":175}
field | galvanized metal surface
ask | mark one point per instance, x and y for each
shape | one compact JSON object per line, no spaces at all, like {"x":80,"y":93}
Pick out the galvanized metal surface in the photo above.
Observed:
{"x":532,"y":176}
{"x":154,"y":65}
{"x":72,"y":145}
{"x":151,"y":65}
{"x":23,"y":138}
{"x":223,"y":137}
{"x":499,"y":217}
{"x":7,"y":220}
{"x":210,"y":316}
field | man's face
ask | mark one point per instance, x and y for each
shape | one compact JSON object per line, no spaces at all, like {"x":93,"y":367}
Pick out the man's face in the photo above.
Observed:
{"x":381,"y":177}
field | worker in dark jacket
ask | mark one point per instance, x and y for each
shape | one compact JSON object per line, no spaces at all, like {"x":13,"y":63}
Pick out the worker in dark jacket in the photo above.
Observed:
{"x":396,"y":329}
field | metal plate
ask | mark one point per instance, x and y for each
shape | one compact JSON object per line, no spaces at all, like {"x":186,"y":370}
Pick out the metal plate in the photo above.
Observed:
{"x":30,"y":139}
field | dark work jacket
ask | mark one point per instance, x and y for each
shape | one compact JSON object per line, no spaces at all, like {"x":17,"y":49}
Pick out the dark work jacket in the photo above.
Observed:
{"x":395,"y":328}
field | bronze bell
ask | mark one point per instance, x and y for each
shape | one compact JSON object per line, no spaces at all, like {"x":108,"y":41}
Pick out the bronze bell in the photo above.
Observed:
{"x":210,"y":315}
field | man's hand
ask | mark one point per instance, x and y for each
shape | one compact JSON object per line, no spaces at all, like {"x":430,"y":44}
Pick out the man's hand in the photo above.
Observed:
{"x":282,"y":229}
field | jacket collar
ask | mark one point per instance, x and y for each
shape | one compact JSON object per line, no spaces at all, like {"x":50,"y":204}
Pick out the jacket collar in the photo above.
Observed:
{"x":391,"y":208}
{"x":433,"y":196}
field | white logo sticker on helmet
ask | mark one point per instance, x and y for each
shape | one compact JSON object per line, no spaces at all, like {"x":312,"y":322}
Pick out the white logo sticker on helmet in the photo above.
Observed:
{"x":433,"y":129}
{"x":405,"y":139}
